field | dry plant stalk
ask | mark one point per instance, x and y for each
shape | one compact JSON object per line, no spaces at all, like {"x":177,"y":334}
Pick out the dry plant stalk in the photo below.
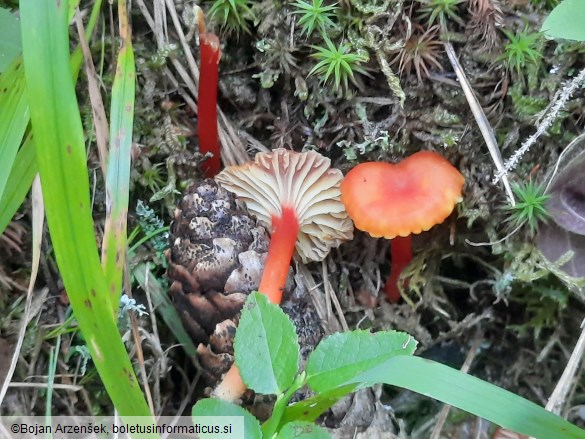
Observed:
{"x":481,"y":119}
{"x":563,"y":97}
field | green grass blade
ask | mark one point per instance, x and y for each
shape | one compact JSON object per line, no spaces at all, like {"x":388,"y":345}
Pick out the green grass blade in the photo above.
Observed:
{"x":471,"y":394}
{"x":19,"y":182}
{"x":10,"y":44}
{"x":119,"y":160}
{"x":311,"y":408}
{"x":25,"y":166}
{"x":62,"y":166}
{"x":53,"y":360}
{"x":164,"y":307}
{"x":14,"y":118}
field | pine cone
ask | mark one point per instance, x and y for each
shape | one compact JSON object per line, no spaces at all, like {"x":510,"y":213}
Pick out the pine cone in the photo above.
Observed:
{"x":216,"y":258}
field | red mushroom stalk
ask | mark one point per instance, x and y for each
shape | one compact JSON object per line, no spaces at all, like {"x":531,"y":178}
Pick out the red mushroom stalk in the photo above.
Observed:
{"x":210,"y":54}
{"x":395,"y":201}
{"x":296,"y":196}
{"x":401,"y":250}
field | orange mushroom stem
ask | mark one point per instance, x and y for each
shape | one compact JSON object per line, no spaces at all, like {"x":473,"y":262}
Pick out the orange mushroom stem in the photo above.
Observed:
{"x":283,"y":238}
{"x":395,"y":201}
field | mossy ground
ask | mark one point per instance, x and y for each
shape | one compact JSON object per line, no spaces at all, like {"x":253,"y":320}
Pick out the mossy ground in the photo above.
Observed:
{"x":501,"y":300}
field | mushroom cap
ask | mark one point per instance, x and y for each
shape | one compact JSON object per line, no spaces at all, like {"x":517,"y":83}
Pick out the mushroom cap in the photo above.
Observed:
{"x":388,"y":200}
{"x":303,"y":181}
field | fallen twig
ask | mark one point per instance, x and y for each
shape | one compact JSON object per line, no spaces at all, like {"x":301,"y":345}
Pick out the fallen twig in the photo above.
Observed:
{"x":481,"y":119}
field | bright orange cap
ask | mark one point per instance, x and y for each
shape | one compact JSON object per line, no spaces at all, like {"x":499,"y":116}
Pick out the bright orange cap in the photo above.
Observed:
{"x":412,"y":196}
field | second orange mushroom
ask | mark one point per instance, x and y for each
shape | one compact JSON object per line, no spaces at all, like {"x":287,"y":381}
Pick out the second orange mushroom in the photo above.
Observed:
{"x":396,"y":201}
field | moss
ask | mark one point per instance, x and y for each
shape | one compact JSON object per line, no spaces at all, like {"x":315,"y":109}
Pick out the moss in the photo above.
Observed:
{"x":526,"y":106}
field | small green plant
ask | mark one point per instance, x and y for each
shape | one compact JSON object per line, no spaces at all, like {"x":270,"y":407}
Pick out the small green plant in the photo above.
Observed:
{"x":530,"y":207}
{"x":152,"y":226}
{"x":442,"y":10}
{"x":337,"y":63}
{"x":543,"y":302}
{"x":267,"y":355}
{"x":521,"y":50}
{"x":277,"y":57}
{"x":154,"y":232}
{"x":234,"y":16}
{"x":526,"y":105}
{"x":315,"y":16}
{"x":151,"y":176}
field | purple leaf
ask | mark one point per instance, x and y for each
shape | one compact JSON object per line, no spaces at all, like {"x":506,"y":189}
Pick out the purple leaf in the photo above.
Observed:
{"x":554,"y":242}
{"x":567,"y":191}
{"x":566,"y":207}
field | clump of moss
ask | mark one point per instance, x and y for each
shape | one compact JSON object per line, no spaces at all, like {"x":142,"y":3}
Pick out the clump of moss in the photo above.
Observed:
{"x":521,"y":51}
{"x":337,"y":64}
{"x":234,"y":16}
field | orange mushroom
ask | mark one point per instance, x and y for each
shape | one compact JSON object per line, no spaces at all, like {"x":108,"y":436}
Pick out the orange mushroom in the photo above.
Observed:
{"x":395,"y":201}
{"x":297,"y":196}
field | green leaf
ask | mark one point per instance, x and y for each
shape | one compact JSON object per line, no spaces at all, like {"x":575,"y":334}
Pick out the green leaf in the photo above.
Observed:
{"x":310,"y":409}
{"x":14,"y":117}
{"x":566,"y":20}
{"x":270,"y":427}
{"x":342,"y":356}
{"x":266,"y":347}
{"x":61,"y":159}
{"x":216,"y":407}
{"x":301,"y":429}
{"x":471,"y":394}
{"x":10,"y":44}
